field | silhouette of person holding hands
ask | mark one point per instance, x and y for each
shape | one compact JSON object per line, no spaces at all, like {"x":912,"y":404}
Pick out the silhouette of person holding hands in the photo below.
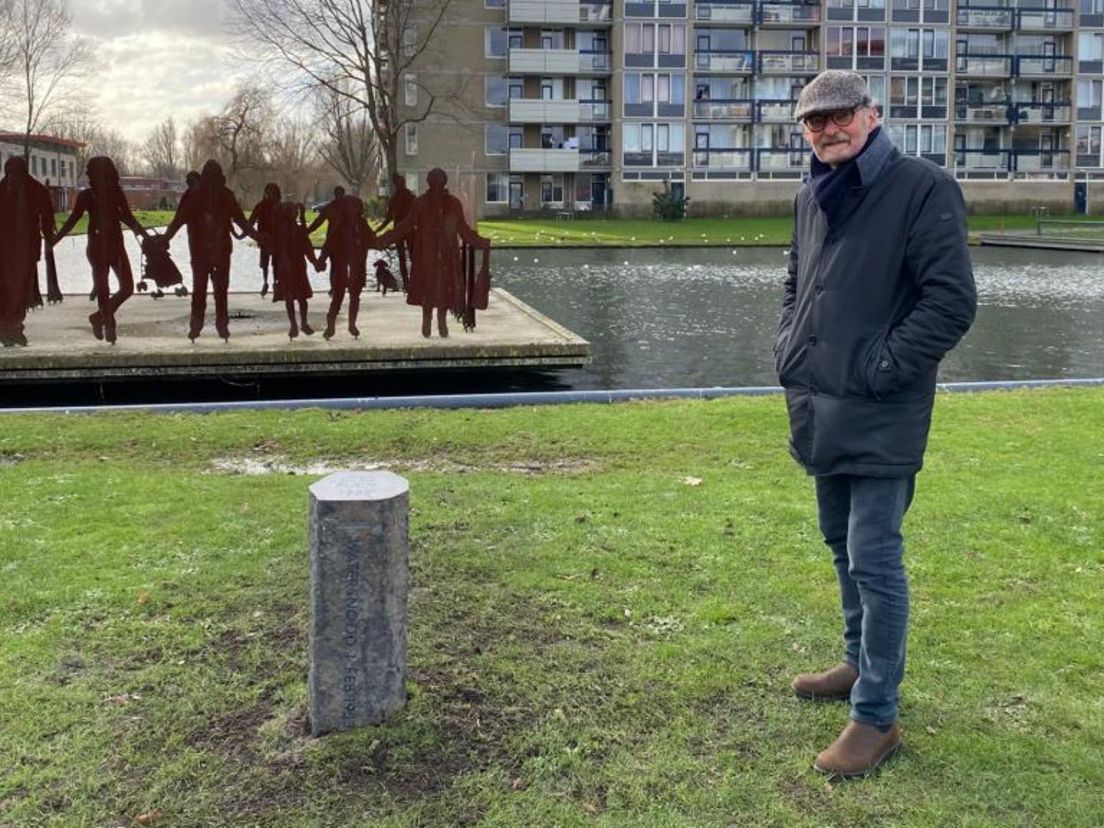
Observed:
{"x":291,"y":248}
{"x":349,"y":239}
{"x":327,"y":214}
{"x":106,"y":206}
{"x":26,"y":218}
{"x":209,"y":211}
{"x":437,"y":226}
{"x":262,"y":220}
{"x":398,"y":208}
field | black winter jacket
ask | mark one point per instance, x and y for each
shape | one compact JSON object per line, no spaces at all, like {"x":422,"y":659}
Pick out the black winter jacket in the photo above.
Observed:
{"x":872,"y":304}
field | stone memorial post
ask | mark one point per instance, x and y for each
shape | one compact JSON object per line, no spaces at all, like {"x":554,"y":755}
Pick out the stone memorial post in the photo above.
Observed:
{"x":359,"y":571}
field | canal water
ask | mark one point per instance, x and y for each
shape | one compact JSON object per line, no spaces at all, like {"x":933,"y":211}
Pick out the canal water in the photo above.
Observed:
{"x":661,"y":318}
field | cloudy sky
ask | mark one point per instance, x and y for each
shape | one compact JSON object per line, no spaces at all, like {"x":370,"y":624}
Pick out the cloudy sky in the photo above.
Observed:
{"x":155,"y":58}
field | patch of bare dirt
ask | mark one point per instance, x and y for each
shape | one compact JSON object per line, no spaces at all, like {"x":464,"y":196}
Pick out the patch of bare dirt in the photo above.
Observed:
{"x":319,"y":468}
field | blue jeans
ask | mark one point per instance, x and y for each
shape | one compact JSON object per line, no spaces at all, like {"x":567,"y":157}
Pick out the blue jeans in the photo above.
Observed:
{"x":860,"y":518}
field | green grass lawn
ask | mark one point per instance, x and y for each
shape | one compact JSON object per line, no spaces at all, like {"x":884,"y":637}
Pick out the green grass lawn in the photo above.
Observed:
{"x":607,"y":605}
{"x":626,"y":232}
{"x":689,"y":232}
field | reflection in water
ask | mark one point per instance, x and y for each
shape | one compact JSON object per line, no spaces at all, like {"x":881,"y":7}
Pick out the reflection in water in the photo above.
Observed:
{"x":696,"y":318}
{"x":681,"y":318}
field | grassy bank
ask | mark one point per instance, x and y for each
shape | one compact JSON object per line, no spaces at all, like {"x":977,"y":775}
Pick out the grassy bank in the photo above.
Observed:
{"x":691,"y":232}
{"x":628,"y":232}
{"x":607,"y":605}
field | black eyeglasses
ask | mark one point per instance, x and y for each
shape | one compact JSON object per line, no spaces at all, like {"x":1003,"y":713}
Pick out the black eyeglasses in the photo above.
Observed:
{"x":817,"y":121}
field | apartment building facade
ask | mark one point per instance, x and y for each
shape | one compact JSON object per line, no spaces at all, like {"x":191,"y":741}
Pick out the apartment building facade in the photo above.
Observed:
{"x":592,"y":105}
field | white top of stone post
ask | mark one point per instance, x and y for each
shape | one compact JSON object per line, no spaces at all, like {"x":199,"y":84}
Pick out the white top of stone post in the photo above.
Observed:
{"x":377,"y":485}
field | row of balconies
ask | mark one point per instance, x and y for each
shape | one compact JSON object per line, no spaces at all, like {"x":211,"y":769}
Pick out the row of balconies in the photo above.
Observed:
{"x":1004,"y":19}
{"x":560,"y":62}
{"x":764,"y":62}
{"x":565,"y":12}
{"x":563,"y":111}
{"x":1002,"y":114}
{"x":777,"y":159}
{"x":974,"y":65}
{"x":764,"y":13}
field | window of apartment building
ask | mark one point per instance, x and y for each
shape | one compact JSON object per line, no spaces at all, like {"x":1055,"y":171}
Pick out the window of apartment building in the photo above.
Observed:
{"x":494,"y":4}
{"x":1087,"y":145}
{"x":918,"y":49}
{"x":411,"y":139}
{"x":498,"y":188}
{"x":496,"y":139}
{"x":919,"y":139}
{"x":1089,"y":99}
{"x":552,"y":189}
{"x":1092,"y":6}
{"x":917,"y":96}
{"x":552,"y":38}
{"x":494,"y":90}
{"x":496,"y":41}
{"x":856,"y":9}
{"x":411,"y":89}
{"x":653,"y":144}
{"x":410,"y":40}
{"x":1090,"y":52}
{"x":856,"y":47}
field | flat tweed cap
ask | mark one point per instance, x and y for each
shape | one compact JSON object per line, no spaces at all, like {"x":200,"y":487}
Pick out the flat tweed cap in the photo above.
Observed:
{"x":832,"y":89}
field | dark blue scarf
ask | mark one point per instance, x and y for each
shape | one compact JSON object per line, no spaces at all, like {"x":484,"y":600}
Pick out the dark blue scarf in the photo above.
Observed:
{"x":830,"y":184}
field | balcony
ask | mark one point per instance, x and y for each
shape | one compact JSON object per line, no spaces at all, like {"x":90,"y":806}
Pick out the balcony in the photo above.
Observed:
{"x":1091,"y":20}
{"x":1044,"y":66}
{"x":570,"y":12}
{"x":594,"y":159}
{"x":559,"y":62}
{"x":1028,"y":161}
{"x":986,"y":161}
{"x":995,"y":114}
{"x":1036,"y":112}
{"x":986,"y":18}
{"x":788,"y":13}
{"x":725,"y":61}
{"x":721,"y":109}
{"x":786,"y":162}
{"x":544,"y":11}
{"x":543,"y":160}
{"x":726,"y":11}
{"x":787,"y":63}
{"x":983,"y":65}
{"x":537,"y":111}
{"x":738,"y":160}
{"x":776,"y":111}
{"x":1046,"y":20}
{"x":596,"y":13}
{"x":595,"y":111}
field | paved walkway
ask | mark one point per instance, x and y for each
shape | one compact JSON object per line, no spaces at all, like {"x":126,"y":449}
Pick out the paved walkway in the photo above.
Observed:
{"x":152,"y":340}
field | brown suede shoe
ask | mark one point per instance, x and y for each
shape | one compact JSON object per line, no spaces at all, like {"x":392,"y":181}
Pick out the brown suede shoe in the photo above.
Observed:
{"x":858,"y":750}
{"x":831,"y":685}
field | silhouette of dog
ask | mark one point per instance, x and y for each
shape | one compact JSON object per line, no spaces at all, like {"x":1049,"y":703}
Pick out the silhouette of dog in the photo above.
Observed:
{"x":385,"y":279}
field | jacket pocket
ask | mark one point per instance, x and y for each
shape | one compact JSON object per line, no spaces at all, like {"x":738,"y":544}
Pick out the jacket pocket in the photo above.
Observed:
{"x":881,"y":369}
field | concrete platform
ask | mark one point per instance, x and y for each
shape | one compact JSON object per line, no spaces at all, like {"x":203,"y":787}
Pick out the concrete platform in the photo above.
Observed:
{"x":1031,"y":239}
{"x":153,"y":343}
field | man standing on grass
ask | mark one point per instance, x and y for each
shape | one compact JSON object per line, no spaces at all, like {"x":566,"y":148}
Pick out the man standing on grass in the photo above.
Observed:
{"x":880,"y":288}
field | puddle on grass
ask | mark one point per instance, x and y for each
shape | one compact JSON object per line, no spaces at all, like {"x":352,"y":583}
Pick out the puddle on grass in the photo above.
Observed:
{"x":277,"y":465}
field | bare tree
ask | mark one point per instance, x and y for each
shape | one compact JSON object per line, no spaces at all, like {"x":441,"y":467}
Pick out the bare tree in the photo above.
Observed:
{"x":7,"y":40}
{"x":161,"y":150}
{"x":348,"y":144}
{"x":96,"y":139}
{"x":240,"y":132}
{"x":47,"y":55}
{"x":355,"y":49}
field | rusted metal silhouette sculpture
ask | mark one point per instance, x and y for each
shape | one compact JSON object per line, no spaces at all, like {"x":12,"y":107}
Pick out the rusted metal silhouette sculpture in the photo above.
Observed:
{"x":442,"y":275}
{"x":262,"y":220}
{"x":26,"y":219}
{"x":349,"y":239}
{"x":209,"y":210}
{"x":398,"y":208}
{"x":292,"y":249}
{"x":106,"y":206}
{"x":327,"y":215}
